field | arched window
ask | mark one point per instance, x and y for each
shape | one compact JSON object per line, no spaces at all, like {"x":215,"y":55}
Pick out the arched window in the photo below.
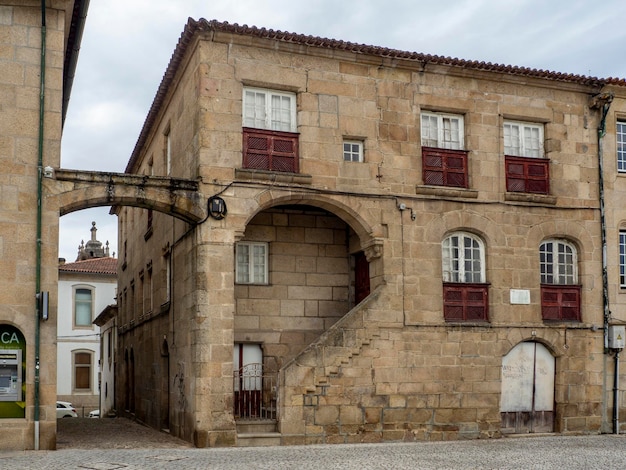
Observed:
{"x":558,"y":262}
{"x":560,"y":292}
{"x":465,"y":291}
{"x":463,"y":258}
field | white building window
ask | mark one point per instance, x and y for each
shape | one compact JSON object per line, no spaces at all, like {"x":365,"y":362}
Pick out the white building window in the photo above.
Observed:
{"x":83,"y":307}
{"x":267,"y":109}
{"x":82,"y":370}
{"x":523,"y":139}
{"x":621,"y":146}
{"x":442,"y":131}
{"x":622,"y":259}
{"x":251,"y":263}
{"x":352,"y":151}
{"x":463,"y":258}
{"x":558,"y":262}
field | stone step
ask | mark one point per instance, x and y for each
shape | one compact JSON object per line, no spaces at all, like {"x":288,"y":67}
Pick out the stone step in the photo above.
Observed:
{"x":258,"y":439}
{"x":256,"y":426}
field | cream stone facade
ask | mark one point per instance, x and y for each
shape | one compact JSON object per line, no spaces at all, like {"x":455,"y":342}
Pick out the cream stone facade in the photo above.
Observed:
{"x":35,"y":84}
{"x":395,"y":272}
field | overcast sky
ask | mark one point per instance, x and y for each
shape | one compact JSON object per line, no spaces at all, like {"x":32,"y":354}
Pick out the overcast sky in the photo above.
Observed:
{"x":127,"y":45}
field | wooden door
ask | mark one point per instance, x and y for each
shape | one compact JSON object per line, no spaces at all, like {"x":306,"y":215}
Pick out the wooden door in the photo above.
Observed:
{"x":527,"y":399}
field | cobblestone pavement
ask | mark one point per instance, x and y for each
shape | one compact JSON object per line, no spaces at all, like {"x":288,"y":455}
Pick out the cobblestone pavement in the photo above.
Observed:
{"x":121,"y":444}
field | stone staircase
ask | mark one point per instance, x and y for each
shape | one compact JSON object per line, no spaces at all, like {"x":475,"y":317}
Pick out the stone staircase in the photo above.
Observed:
{"x":257,"y":432}
{"x":341,"y":355}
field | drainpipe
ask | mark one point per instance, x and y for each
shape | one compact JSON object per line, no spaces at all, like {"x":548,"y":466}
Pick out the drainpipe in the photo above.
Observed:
{"x":603,"y":101}
{"x":42,"y":85}
{"x":616,"y":394}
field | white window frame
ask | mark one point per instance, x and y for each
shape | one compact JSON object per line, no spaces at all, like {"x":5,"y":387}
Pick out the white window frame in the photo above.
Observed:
{"x":459,"y":259}
{"x":76,"y":302}
{"x":620,"y":142}
{"x":523,"y":139}
{"x":269,"y":109}
{"x":558,"y":261}
{"x":251,"y":260}
{"x":622,"y":258}
{"x":353,"y":151}
{"x":441,"y":130}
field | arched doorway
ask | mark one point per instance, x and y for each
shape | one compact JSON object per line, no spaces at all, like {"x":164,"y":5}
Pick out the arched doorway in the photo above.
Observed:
{"x":527,"y":398}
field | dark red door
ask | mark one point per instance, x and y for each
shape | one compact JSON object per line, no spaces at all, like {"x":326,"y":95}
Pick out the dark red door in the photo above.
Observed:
{"x":361,"y":277}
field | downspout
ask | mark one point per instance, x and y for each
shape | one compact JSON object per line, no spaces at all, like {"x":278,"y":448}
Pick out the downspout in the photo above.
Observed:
{"x":616,"y":394}
{"x":603,"y":101}
{"x":42,"y":86}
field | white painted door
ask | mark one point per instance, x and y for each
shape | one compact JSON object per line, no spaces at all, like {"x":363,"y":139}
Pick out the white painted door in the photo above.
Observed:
{"x":527,"y":398}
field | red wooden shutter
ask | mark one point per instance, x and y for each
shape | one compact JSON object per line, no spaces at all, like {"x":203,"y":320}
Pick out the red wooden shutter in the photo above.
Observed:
{"x":560,"y":302}
{"x":463,"y":301}
{"x":527,"y":175}
{"x":444,"y":167}
{"x":270,"y":150}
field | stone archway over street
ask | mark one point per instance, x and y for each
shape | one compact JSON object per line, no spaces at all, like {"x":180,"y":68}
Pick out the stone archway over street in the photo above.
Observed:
{"x":73,"y":190}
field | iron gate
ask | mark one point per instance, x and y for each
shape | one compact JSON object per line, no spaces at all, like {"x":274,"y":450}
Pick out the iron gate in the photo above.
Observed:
{"x":255,"y":393}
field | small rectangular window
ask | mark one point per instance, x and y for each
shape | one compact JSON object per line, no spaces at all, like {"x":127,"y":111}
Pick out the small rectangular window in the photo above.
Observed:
{"x":251,"y":259}
{"x":621,"y":146}
{"x":352,"y":151}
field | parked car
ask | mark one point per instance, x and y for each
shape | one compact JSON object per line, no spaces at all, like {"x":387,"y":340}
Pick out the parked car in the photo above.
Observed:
{"x":94,"y":414}
{"x":66,"y":410}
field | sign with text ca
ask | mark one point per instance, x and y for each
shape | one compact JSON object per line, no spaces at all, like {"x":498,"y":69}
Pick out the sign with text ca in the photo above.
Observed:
{"x":12,"y":340}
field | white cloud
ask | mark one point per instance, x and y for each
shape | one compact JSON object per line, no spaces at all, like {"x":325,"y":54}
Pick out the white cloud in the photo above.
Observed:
{"x":128,"y":44}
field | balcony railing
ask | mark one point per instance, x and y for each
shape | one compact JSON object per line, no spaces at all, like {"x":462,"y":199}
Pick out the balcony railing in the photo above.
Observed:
{"x":527,"y":175}
{"x":465,"y":301}
{"x":560,"y":302}
{"x":255,"y":393}
{"x":444,"y":167}
{"x":270,"y":150}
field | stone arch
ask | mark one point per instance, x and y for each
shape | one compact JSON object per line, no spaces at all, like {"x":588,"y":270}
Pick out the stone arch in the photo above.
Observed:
{"x":72,"y":190}
{"x":575,"y":233}
{"x":370,"y":236}
{"x":469,"y":221}
{"x":572,"y":231}
{"x":550,"y":338}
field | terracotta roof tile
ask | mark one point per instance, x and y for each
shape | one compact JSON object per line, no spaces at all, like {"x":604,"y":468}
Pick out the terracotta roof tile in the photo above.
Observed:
{"x":91,"y":266}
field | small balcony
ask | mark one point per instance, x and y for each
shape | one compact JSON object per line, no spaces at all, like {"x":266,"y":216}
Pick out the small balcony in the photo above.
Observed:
{"x":527,"y":175}
{"x":444,"y":167}
{"x":270,"y":150}
{"x":465,"y":302}
{"x":560,"y":302}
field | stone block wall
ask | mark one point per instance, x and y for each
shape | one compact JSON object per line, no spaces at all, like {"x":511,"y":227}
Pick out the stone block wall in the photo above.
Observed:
{"x":390,"y":368}
{"x":20,"y":76}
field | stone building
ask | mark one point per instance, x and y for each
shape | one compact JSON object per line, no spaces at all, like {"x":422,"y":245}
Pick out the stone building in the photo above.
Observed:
{"x":87,"y":287}
{"x":398,"y":246}
{"x":35,"y":85}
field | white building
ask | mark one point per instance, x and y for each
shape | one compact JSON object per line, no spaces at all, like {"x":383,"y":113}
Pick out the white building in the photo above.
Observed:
{"x":86,"y":288}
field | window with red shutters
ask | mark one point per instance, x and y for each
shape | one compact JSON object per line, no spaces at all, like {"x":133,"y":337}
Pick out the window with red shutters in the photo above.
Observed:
{"x":444,"y":167}
{"x":465,"y":302}
{"x":560,"y":303}
{"x":270,"y":150}
{"x":527,"y":175}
